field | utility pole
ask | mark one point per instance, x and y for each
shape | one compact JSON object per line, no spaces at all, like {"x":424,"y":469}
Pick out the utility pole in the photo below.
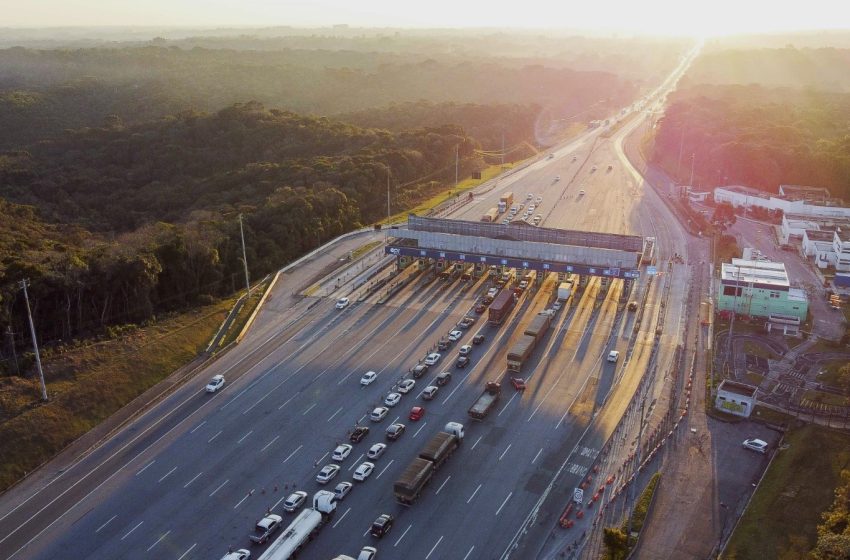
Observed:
{"x":457,"y":160}
{"x":34,"y":343}
{"x":503,"y":148}
{"x":691,"y":184}
{"x":244,"y":256}
{"x":681,"y":146}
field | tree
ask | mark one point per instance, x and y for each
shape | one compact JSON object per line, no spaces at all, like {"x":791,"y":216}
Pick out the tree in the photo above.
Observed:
{"x":616,"y":544}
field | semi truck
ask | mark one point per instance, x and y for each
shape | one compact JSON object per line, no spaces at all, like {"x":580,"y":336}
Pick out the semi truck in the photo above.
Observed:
{"x":501,"y":307}
{"x":505,"y":201}
{"x":408,"y":487}
{"x":648,"y":250}
{"x":523,"y":347}
{"x":491,"y":215}
{"x":302,"y":530}
{"x":485,"y":403}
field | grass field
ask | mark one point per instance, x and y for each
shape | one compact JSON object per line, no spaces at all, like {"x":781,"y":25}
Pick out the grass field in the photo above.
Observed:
{"x":87,"y":384}
{"x":797,"y":488}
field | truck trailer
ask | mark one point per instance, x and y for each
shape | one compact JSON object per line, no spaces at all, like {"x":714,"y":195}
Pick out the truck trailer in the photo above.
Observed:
{"x":485,"y":403}
{"x":501,"y":307}
{"x":303,"y":528}
{"x":505,"y":201}
{"x":409,"y":485}
{"x":491,"y":215}
{"x":565,"y":289}
{"x":523,"y":347}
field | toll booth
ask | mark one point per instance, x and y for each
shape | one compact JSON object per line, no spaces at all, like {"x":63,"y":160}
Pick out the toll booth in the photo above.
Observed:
{"x":403,"y":262}
{"x":582,"y":281}
{"x":604,"y":284}
{"x":626,"y":292}
{"x":480,"y":270}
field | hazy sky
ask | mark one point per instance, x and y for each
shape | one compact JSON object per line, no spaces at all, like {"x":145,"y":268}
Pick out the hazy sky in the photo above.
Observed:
{"x":689,"y":17}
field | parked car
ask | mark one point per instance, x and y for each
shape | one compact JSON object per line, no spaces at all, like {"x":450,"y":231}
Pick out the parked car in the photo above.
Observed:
{"x":394,"y":431}
{"x":327,"y":473}
{"x":392,"y":399}
{"x":444,"y":344}
{"x":429,"y":392}
{"x":295,"y":501}
{"x":216,"y":383}
{"x":368,"y":378}
{"x":478,"y":339}
{"x":367,"y":553}
{"x":342,"y":303}
{"x":443,"y":378}
{"x":358,"y":434}
{"x":416,"y":413}
{"x":432,"y":358}
{"x":342,"y":451}
{"x":342,"y":489}
{"x":465,"y":349}
{"x":379,"y":413}
{"x":462,"y":361}
{"x":241,"y":554}
{"x":419,"y":370}
{"x":376,"y":450}
{"x":757,"y":445}
{"x":363,"y":471}
{"x":454,"y":336}
{"x":466,"y":322}
{"x":406,"y":386}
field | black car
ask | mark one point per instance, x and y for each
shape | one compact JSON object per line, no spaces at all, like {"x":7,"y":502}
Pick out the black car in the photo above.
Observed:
{"x":443,"y":378}
{"x":462,"y":362}
{"x":478,"y":339}
{"x":394,"y":431}
{"x":382,"y":525}
{"x":444,"y":344}
{"x":358,"y":434}
{"x":419,"y":370}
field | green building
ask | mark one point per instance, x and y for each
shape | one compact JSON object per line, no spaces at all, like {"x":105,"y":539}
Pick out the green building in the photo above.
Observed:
{"x":760,"y":289}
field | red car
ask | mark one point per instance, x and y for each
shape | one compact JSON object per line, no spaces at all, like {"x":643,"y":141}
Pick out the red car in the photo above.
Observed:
{"x":416,"y":413}
{"x":518,"y":383}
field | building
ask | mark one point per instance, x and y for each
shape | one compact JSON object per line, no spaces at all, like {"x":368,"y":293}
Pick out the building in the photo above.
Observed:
{"x":819,"y":245}
{"x":841,"y":248}
{"x":759,"y":289}
{"x":795,"y":201}
{"x":793,"y":225}
{"x":735,"y":398}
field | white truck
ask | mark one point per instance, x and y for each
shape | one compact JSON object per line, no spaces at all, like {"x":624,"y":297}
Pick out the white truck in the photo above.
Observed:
{"x":302,"y":530}
{"x":564,"y":291}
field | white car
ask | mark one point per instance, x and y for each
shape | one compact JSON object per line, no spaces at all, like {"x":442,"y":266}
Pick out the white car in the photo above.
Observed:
{"x":529,"y":196}
{"x":557,"y":177}
{"x":406,"y":386}
{"x":392,"y":399}
{"x":454,"y":336}
{"x":368,"y":378}
{"x":327,"y":473}
{"x":432,"y":358}
{"x":295,"y":501}
{"x":613,"y":355}
{"x":429,"y":392}
{"x":465,"y":350}
{"x":379,"y":414}
{"x":342,"y":303}
{"x":757,"y":445}
{"x":538,"y":200}
{"x":341,"y":452}
{"x":376,"y":450}
{"x":241,"y":554}
{"x":216,"y":383}
{"x":557,"y":305}
{"x":367,"y":553}
{"x":530,"y":209}
{"x":363,"y":471}
{"x":342,"y":489}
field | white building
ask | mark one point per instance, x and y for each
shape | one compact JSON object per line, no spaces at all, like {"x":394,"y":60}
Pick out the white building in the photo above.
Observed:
{"x":740,"y":196}
{"x":841,"y":248}
{"x":735,"y":398}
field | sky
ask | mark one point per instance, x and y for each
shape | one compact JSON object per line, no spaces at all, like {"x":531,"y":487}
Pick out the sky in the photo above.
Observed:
{"x":656,"y":17}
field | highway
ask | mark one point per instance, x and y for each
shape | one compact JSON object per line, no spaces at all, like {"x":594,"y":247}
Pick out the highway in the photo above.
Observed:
{"x":190,"y":477}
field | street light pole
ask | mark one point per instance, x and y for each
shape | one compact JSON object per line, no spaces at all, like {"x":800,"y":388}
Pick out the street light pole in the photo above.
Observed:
{"x":691,"y":184}
{"x":34,"y":343}
{"x":457,"y":162}
{"x":244,"y":256}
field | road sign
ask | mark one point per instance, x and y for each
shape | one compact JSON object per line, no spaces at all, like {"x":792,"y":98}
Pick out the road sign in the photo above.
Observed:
{"x":651,"y":270}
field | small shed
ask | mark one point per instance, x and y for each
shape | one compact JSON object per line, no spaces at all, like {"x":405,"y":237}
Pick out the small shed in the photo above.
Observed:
{"x":735,"y":398}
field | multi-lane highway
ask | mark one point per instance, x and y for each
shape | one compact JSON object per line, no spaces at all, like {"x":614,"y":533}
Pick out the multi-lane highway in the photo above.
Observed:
{"x":192,"y":476}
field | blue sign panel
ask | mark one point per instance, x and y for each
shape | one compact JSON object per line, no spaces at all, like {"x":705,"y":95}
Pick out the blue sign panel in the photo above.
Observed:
{"x":651,"y":270}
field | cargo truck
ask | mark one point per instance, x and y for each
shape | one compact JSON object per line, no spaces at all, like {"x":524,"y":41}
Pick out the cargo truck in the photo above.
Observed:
{"x":302,"y":530}
{"x":490,"y":215}
{"x":501,"y":307}
{"x":418,"y":473}
{"x":565,"y":289}
{"x":505,"y":201}
{"x":485,"y":403}
{"x":648,"y":250}
{"x":523,"y":347}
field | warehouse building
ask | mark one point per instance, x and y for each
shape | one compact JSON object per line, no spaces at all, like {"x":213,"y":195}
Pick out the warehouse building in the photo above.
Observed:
{"x":760,"y":289}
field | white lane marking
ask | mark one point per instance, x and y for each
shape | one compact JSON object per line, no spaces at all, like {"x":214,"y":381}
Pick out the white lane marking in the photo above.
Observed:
{"x":507,"y":404}
{"x":269,"y":443}
{"x":288,"y":457}
{"x":464,"y":558}
{"x":420,"y":429}
{"x":166,"y":474}
{"x":561,"y":421}
{"x":396,"y":420}
{"x":474,"y":493}
{"x":158,"y":540}
{"x":341,"y":518}
{"x":362,"y":418}
{"x":433,"y":547}
{"x":385,"y":468}
{"x":277,"y":503}
{"x":198,"y":426}
{"x":286,"y":403}
{"x":443,"y":484}
{"x":334,"y":414}
{"x":193,"y":479}
{"x":505,"y":451}
{"x":246,"y":435}
{"x":219,"y":488}
{"x":143,"y":469}
{"x":322,"y":458}
{"x":402,"y":535}
{"x":503,"y":503}
{"x":476,"y":442}
{"x":215,"y":436}
{"x":245,"y":498}
{"x":367,"y":531}
{"x":536,"y":456}
{"x":127,"y":534}
{"x":309,"y":409}
{"x":105,"y":524}
{"x":355,"y":463}
{"x":182,"y":556}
